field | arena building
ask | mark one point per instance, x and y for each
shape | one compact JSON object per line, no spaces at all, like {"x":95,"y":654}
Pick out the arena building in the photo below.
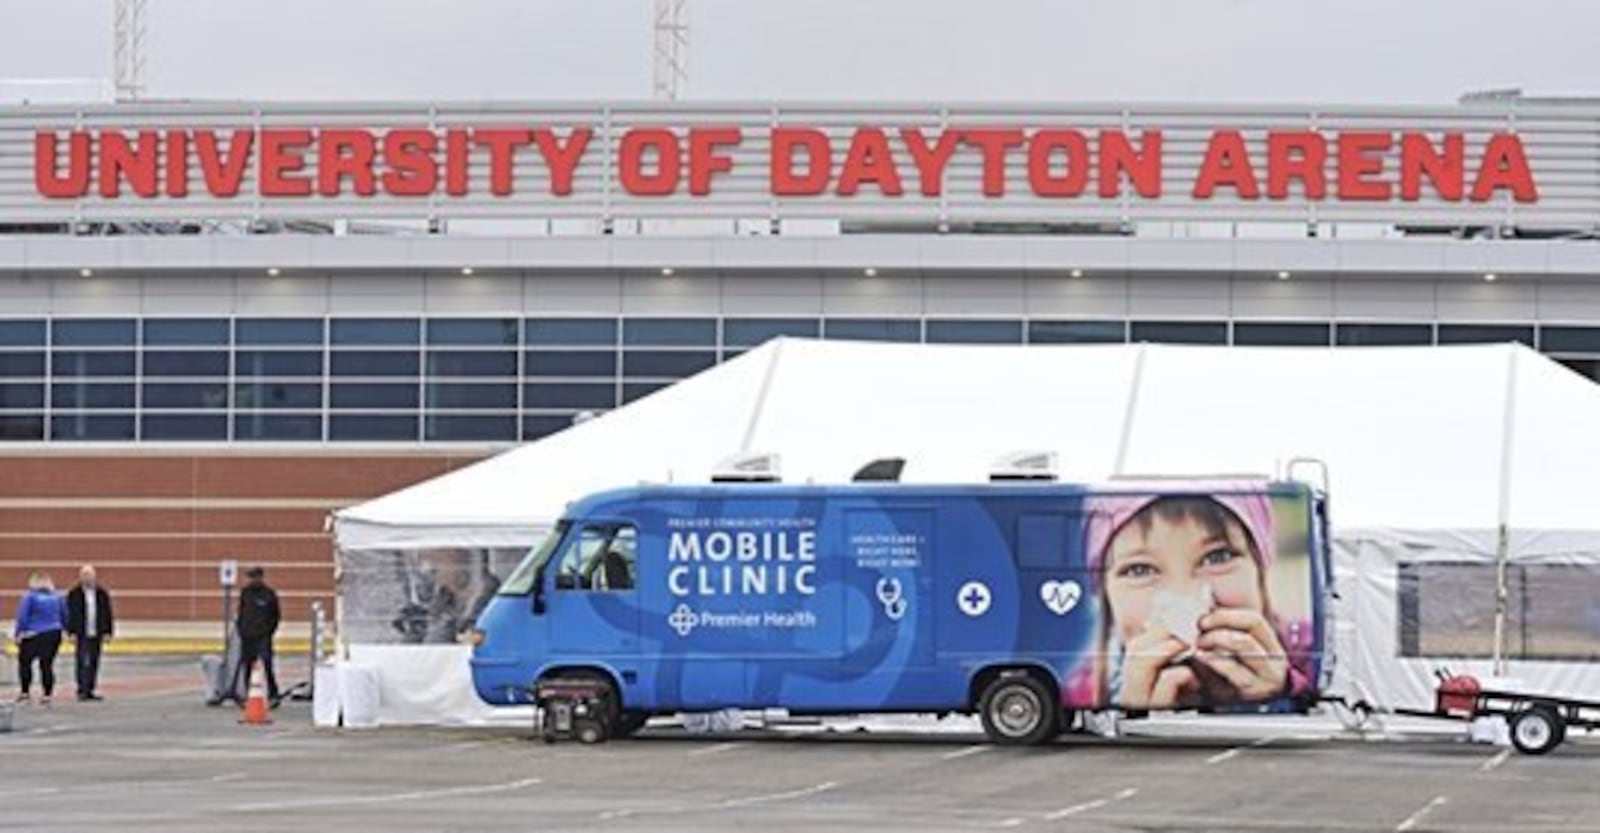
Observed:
{"x":221,"y":321}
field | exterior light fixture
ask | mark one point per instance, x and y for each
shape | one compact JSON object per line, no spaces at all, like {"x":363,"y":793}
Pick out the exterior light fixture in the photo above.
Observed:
{"x":870,"y":272}
{"x":466,"y":270}
{"x":273,"y":271}
{"x":86,"y":273}
{"x":1076,"y":273}
{"x":1490,"y":277}
{"x":1283,"y":276}
{"x":667,"y":271}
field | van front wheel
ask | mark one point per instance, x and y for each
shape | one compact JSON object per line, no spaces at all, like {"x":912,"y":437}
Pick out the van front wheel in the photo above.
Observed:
{"x":1019,"y":710}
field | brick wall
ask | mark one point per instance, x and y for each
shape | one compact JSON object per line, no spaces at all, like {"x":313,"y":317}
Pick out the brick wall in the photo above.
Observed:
{"x":157,"y":523}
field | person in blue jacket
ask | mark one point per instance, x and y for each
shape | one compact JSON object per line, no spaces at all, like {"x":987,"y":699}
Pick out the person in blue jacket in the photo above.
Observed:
{"x":41,"y":617}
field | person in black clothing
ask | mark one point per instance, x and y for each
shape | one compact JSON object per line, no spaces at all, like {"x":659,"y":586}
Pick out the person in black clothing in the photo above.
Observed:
{"x":257,"y":622}
{"x":90,"y":624}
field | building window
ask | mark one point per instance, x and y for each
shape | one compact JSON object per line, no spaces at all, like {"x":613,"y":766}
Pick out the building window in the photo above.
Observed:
{"x":472,"y":363}
{"x":269,"y":426}
{"x":93,"y":332}
{"x":87,"y":426}
{"x":375,"y":363}
{"x":463,"y":428}
{"x":638,"y":390}
{"x":1383,"y":335}
{"x":661,"y":363}
{"x":539,"y":426}
{"x":186,"y":332}
{"x":365,"y":331}
{"x":277,"y":363}
{"x":750,"y":332}
{"x":183,"y":427}
{"x":1180,"y":332}
{"x":463,"y":331}
{"x":21,"y":333}
{"x":86,"y":363}
{"x":569,"y":396}
{"x":873,"y":329}
{"x":370,"y":395}
{"x":577,"y":332}
{"x":1588,"y":368}
{"x":466,"y":395}
{"x":601,"y":363}
{"x":1484,"y":334}
{"x":21,"y":427}
{"x":185,"y":395}
{"x":373,"y":427}
{"x":970,"y":331}
{"x":21,"y":396}
{"x":1077,"y":332}
{"x":1569,"y":339}
{"x":185,"y":363}
{"x":670,"y":332}
{"x":1273,"y":334}
{"x":279,"y":395}
{"x":21,"y":365}
{"x":79,"y":395}
{"x":279,"y":331}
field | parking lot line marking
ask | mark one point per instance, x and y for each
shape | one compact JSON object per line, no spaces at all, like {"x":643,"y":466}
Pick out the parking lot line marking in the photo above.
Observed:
{"x":719,"y":748}
{"x":1089,"y":805}
{"x":382,"y":799}
{"x":723,"y":805}
{"x":33,"y":791}
{"x":962,"y":753}
{"x":1223,"y":756}
{"x":1491,"y":764}
{"x":1412,"y":820}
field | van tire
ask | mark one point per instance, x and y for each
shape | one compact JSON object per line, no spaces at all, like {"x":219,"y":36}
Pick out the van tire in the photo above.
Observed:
{"x":628,"y":723}
{"x":1019,"y":710}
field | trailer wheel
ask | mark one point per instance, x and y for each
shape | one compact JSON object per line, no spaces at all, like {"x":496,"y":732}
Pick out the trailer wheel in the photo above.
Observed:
{"x":1018,"y":710}
{"x":1537,"y":730}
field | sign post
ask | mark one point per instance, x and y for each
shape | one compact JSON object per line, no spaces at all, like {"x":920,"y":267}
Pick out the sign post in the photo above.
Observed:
{"x":228,"y":577}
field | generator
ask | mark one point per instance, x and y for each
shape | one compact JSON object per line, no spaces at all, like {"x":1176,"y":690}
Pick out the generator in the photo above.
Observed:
{"x":570,"y":708}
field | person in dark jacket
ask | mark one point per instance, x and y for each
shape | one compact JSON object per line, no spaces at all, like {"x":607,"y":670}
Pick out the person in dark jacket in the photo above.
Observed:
{"x":90,"y":624}
{"x":40,"y":617}
{"x":258,"y":620}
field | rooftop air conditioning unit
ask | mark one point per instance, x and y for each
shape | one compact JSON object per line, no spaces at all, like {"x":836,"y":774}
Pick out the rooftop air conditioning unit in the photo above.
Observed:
{"x":1025,"y":465}
{"x":881,"y":470}
{"x":747,"y":467}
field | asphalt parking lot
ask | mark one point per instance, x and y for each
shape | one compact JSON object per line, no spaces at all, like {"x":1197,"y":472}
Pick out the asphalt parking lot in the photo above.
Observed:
{"x":153,"y":758}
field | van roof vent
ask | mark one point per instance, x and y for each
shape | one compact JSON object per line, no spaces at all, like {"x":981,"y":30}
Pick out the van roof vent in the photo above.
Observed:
{"x":1024,"y":465}
{"x":882,"y":470}
{"x":747,"y":467}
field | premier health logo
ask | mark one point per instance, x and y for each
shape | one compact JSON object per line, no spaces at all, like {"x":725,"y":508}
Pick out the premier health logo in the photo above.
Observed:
{"x":683,"y":620}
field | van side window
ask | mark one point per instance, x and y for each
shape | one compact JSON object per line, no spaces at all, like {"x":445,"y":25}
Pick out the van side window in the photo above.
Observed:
{"x":599,"y":557}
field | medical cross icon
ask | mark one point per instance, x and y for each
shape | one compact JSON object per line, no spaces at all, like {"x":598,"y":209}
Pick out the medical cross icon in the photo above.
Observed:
{"x":973,"y":598}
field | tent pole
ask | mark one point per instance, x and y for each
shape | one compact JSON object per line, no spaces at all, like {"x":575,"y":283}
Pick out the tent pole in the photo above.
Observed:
{"x":761,"y":395}
{"x":1502,"y":548}
{"x":1129,"y":410}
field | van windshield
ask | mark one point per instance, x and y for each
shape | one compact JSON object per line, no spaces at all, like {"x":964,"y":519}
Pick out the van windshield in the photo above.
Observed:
{"x":520,"y":583}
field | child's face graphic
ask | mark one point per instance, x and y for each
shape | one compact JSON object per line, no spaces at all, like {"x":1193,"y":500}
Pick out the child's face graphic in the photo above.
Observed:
{"x":1175,"y":567}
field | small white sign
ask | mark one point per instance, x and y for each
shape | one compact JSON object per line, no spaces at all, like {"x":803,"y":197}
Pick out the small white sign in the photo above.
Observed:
{"x":228,"y":572}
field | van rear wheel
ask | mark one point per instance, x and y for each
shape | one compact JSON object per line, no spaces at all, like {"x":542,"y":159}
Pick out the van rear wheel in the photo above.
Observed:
{"x":1019,"y":710}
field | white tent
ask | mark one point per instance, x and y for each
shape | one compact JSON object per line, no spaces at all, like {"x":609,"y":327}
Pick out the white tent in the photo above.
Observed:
{"x":1432,"y":451}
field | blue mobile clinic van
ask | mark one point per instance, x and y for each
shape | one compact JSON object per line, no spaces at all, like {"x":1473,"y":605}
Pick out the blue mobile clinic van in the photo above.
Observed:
{"x":1022,"y":602}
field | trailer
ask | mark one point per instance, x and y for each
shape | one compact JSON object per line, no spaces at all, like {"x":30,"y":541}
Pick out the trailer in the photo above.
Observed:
{"x":1538,"y":722}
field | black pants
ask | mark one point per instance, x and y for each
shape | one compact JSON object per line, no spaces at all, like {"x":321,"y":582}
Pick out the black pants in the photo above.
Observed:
{"x":41,"y":647}
{"x":88,"y":665}
{"x":251,"y":650}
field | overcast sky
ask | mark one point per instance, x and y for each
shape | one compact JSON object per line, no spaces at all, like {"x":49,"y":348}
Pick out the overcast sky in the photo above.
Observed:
{"x":1312,"y":51}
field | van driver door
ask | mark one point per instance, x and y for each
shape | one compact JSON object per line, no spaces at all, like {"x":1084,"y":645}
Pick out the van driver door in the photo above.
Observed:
{"x":594,"y":597}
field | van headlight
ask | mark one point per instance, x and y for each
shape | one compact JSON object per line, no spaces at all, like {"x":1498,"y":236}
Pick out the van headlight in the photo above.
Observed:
{"x":477,"y":638}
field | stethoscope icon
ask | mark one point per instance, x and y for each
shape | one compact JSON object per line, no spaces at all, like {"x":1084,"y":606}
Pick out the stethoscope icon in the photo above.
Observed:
{"x":892,"y":597}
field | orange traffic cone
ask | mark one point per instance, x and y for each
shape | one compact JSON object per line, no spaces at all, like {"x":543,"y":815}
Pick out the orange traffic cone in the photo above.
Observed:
{"x":255,"y":705}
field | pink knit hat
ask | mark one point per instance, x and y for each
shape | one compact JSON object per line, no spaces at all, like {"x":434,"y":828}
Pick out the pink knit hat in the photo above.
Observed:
{"x":1108,"y":513}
